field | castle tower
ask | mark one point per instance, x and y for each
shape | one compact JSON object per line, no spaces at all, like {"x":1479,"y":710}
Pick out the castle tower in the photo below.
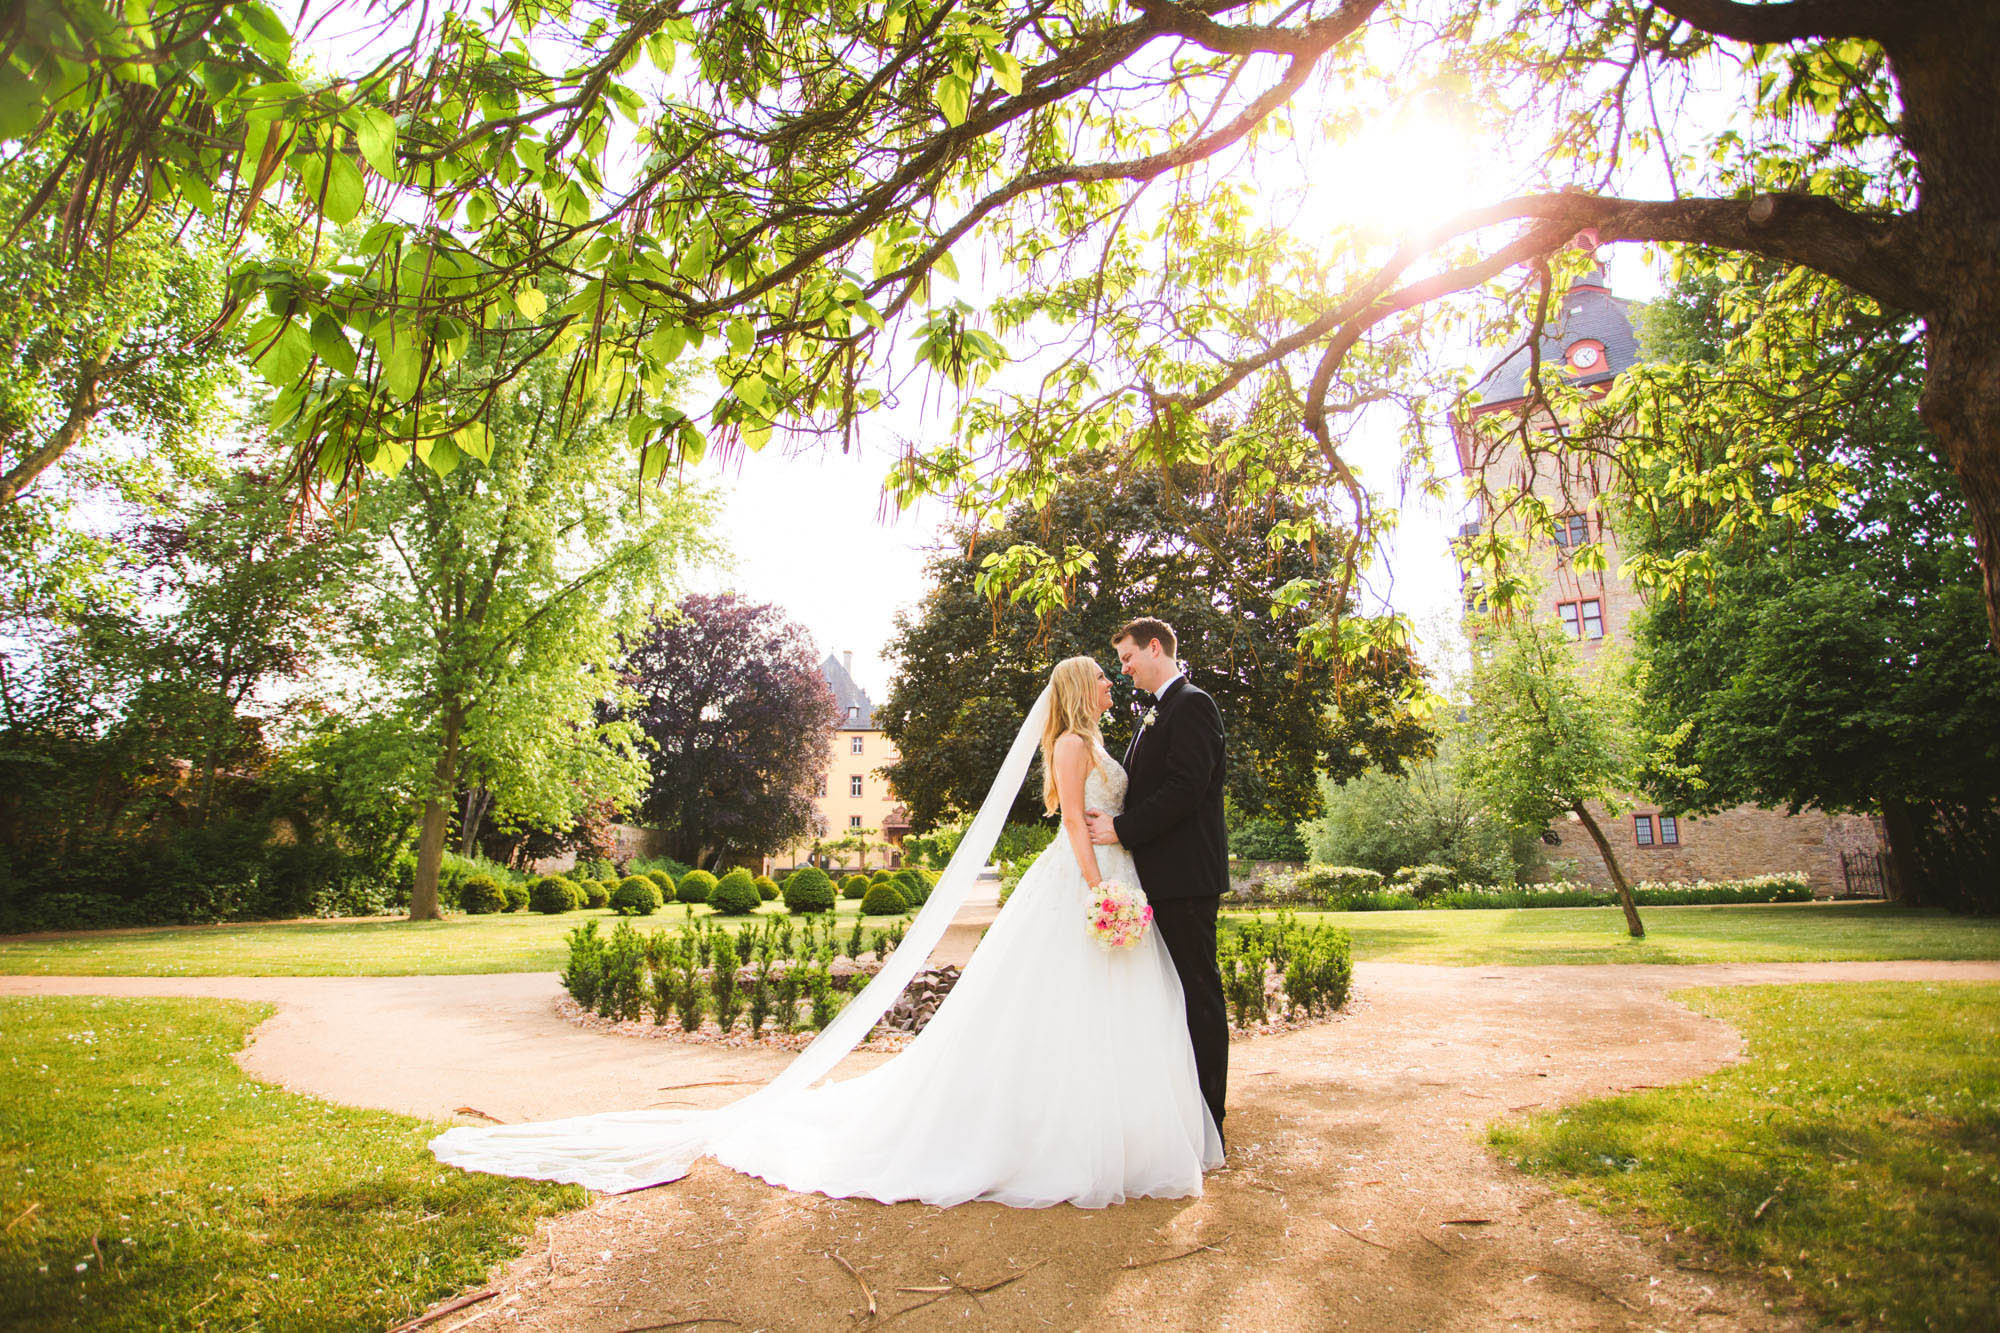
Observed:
{"x":1591,"y":337}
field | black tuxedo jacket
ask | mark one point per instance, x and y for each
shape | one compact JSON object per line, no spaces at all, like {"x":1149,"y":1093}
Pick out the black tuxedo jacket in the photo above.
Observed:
{"x":1172,"y":823}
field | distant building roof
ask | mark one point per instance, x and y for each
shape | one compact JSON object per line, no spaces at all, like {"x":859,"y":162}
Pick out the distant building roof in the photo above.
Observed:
{"x":856,"y":712}
{"x":1589,"y":313}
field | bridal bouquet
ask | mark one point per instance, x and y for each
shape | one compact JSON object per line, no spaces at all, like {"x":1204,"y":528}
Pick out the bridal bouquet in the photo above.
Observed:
{"x":1117,"y":915}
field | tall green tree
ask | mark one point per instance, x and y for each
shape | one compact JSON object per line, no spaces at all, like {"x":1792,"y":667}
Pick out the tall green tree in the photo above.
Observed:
{"x":800,"y":180}
{"x":1553,"y":738}
{"x":1135,"y":541}
{"x":1839,"y":662}
{"x":500,"y":594}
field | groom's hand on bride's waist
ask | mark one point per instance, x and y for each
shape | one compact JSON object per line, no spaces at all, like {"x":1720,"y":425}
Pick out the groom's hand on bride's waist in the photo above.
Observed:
{"x":1101,"y":831}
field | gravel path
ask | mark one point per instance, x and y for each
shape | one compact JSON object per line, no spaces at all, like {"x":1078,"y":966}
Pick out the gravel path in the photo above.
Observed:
{"x":1354,"y":1145}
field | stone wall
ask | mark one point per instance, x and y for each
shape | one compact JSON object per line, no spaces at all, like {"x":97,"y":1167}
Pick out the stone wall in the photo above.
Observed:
{"x":1730,"y":844}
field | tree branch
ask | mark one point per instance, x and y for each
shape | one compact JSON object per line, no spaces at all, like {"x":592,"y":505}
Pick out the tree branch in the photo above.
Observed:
{"x":1798,"y":20}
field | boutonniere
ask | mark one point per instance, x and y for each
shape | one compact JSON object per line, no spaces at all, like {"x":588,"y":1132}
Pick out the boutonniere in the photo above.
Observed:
{"x":1149,"y":717}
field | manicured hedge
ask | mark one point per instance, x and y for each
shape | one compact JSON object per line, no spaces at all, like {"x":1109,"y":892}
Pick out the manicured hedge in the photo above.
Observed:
{"x":884,"y":900}
{"x":808,"y":889}
{"x":1342,"y":889}
{"x":735,"y":894}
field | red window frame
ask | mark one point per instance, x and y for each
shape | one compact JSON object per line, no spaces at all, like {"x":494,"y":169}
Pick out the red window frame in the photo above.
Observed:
{"x":1670,"y":831}
{"x":1642,"y":831}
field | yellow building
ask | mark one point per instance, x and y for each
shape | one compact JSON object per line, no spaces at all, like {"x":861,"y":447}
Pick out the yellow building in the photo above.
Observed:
{"x":862,"y":823}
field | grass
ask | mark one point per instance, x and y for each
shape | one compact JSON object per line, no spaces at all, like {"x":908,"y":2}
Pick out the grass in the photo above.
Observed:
{"x":530,"y":942}
{"x":1732,"y":933}
{"x":148,"y":1183}
{"x":370,"y":947}
{"x":1853,"y":1160}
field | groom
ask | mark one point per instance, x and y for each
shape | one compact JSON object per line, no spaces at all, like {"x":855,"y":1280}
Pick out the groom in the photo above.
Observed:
{"x":1172,"y":825}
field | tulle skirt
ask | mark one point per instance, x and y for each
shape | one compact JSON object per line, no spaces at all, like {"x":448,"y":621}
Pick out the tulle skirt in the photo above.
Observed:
{"x":1054,"y":1072}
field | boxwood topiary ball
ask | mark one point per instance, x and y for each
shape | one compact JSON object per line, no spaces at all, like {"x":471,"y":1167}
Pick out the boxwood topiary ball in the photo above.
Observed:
{"x":636,"y":896}
{"x":596,"y":893}
{"x":481,"y":894}
{"x":884,"y":900}
{"x":767,"y":888}
{"x":696,"y":887}
{"x":666,"y":882}
{"x":516,"y":894}
{"x":808,"y":889}
{"x":853,"y":887}
{"x":735,"y":894}
{"x":552,"y":894}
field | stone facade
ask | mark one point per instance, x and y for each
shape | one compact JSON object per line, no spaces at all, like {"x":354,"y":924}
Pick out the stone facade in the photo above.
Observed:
{"x":853,"y":795}
{"x":1593,"y":339}
{"x":1729,"y":844}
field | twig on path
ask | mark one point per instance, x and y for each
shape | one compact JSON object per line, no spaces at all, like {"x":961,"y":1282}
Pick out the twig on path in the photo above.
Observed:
{"x":99,"y":1253}
{"x":433,"y":1316}
{"x":469,"y":1322}
{"x":1766,"y":1204}
{"x":1363,"y":1239}
{"x":1523,"y":1106}
{"x":1587,"y":1286}
{"x":1450,"y":1254}
{"x":26,"y":1213}
{"x":1169,"y":1258}
{"x":712,"y":1083}
{"x":1467,"y":1222}
{"x":855,"y":1273}
{"x":681,"y":1323}
{"x":955,"y":1286}
{"x":473,"y":1110}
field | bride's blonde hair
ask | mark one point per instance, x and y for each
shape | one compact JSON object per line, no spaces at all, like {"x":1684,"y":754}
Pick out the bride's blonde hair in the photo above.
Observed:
{"x":1072,"y":707}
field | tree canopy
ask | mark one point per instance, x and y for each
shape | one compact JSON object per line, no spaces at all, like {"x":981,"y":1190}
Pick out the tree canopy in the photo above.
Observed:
{"x":740,"y":722}
{"x":1837,"y":662}
{"x":1183,"y":548}
{"x":788,"y":189}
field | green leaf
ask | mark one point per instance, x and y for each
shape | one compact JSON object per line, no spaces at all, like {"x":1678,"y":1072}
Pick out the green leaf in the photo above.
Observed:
{"x":753,"y":390}
{"x":475,"y":439}
{"x":742,"y":337}
{"x":403,"y":367}
{"x":330,"y":341}
{"x":333,"y":186}
{"x":20,"y":103}
{"x":284,"y":360}
{"x":265,"y":31}
{"x":667,"y":342}
{"x":531,"y":303}
{"x":954,"y":98}
{"x":1006,"y":70}
{"x":376,"y":136}
{"x":440,"y":456}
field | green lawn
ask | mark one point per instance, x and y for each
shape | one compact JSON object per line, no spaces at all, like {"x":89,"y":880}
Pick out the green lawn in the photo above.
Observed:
{"x":147,"y":1183}
{"x":1735,"y":933}
{"x":1853,"y":1160}
{"x":530,"y":942}
{"x":383,"y":946}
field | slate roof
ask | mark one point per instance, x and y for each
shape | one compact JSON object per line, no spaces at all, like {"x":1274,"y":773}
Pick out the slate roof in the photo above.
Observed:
{"x":1590,"y":311}
{"x":846,"y":695}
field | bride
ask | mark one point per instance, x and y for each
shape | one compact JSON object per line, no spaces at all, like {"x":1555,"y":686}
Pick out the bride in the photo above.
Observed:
{"x":1054,"y":1072}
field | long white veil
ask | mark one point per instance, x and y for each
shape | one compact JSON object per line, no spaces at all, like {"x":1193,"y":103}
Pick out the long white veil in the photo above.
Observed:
{"x":617,"y":1151}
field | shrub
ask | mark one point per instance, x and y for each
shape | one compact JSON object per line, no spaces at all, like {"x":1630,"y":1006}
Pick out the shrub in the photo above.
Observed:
{"x":552,"y":894}
{"x":481,"y":894}
{"x":735,"y":894}
{"x":623,"y":993}
{"x":884,"y":900}
{"x":854,"y":886}
{"x":663,"y":881}
{"x":595,"y":893}
{"x":584,"y":976}
{"x":911,"y":883}
{"x":516,"y":894}
{"x":767,"y":888}
{"x":1266,"y":840}
{"x":1425,"y":881}
{"x":636,"y":896}
{"x":696,"y":886}
{"x":882,"y":876}
{"x":808,"y":889}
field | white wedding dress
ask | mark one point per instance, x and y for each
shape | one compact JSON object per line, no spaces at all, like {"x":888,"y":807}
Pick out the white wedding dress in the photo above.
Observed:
{"x":1054,"y":1072}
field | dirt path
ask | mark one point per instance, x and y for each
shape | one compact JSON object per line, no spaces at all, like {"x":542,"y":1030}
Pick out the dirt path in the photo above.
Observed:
{"x":1353,"y":1146}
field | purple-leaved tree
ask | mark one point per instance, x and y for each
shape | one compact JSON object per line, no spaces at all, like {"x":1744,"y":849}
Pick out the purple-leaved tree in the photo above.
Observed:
{"x":731,"y":696}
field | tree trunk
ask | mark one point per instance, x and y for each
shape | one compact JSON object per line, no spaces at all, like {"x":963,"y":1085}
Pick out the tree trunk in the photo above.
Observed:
{"x":1947,"y":65}
{"x":478,"y":800}
{"x":1617,"y":875}
{"x":1899,"y":829}
{"x":430,"y":841}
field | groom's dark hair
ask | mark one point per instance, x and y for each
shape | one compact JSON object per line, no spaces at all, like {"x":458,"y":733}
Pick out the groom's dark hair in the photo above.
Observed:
{"x":1147,"y":630}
